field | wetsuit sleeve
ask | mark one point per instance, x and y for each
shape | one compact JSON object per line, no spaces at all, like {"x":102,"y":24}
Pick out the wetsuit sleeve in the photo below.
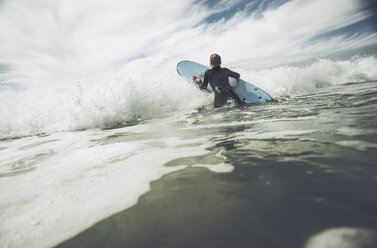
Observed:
{"x":205,"y":81}
{"x":233,"y":74}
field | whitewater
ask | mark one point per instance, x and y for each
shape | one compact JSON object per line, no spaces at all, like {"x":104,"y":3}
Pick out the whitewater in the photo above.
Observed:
{"x":103,"y":144}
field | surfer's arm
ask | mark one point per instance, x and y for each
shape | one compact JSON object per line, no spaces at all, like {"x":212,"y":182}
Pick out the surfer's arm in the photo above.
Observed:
{"x":205,"y":81}
{"x":233,"y":74}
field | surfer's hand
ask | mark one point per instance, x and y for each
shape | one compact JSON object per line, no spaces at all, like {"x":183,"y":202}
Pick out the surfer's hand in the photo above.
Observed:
{"x":196,"y":79}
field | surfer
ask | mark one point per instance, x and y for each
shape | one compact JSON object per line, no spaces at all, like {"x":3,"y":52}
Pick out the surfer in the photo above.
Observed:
{"x":218,"y":78}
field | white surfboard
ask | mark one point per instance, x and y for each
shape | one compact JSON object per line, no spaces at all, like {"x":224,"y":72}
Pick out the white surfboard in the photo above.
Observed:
{"x":247,"y":92}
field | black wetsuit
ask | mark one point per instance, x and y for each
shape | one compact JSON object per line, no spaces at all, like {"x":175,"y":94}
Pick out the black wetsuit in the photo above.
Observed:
{"x":218,"y":78}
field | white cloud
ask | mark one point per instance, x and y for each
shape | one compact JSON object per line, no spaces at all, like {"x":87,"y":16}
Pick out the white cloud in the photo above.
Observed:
{"x":67,"y":40}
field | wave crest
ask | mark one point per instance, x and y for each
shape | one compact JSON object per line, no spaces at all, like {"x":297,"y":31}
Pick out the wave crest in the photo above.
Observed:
{"x":283,"y":81}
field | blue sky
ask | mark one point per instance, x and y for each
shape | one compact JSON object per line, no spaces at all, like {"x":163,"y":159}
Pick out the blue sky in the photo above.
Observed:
{"x":257,"y":7}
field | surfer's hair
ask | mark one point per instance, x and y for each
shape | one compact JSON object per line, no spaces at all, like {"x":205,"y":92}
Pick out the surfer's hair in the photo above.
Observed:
{"x":215,"y":59}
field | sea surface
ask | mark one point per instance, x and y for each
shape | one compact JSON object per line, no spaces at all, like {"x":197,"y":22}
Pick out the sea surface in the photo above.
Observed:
{"x":296,"y":172}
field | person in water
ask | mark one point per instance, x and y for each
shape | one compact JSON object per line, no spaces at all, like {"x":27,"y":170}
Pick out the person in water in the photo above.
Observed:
{"x":218,"y":78}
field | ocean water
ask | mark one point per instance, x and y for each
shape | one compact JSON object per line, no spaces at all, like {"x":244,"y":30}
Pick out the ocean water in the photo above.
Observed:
{"x":103,"y":144}
{"x":296,"y":172}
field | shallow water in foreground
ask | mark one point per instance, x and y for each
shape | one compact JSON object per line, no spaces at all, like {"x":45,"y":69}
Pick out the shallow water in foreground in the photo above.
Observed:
{"x":299,"y":172}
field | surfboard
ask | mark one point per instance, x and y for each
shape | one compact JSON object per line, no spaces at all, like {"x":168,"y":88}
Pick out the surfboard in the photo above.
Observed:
{"x":247,"y":92}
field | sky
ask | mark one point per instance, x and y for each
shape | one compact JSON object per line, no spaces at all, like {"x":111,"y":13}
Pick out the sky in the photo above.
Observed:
{"x":62,"y":41}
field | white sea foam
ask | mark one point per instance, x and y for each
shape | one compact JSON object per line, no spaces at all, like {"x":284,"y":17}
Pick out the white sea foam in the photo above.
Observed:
{"x":343,"y":237}
{"x":357,"y":144}
{"x":242,"y":123}
{"x":294,"y":80}
{"x":356,"y":132}
{"x":219,"y":168}
{"x":78,"y":178}
{"x":288,"y":134}
{"x":94,"y":105}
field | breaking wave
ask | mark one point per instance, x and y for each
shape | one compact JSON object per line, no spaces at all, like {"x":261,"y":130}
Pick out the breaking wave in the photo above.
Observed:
{"x":156,"y":93}
{"x":87,"y":104}
{"x":288,"y":81}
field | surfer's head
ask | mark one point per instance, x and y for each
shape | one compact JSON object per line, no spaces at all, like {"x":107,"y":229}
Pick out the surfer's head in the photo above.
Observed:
{"x":215,"y":60}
